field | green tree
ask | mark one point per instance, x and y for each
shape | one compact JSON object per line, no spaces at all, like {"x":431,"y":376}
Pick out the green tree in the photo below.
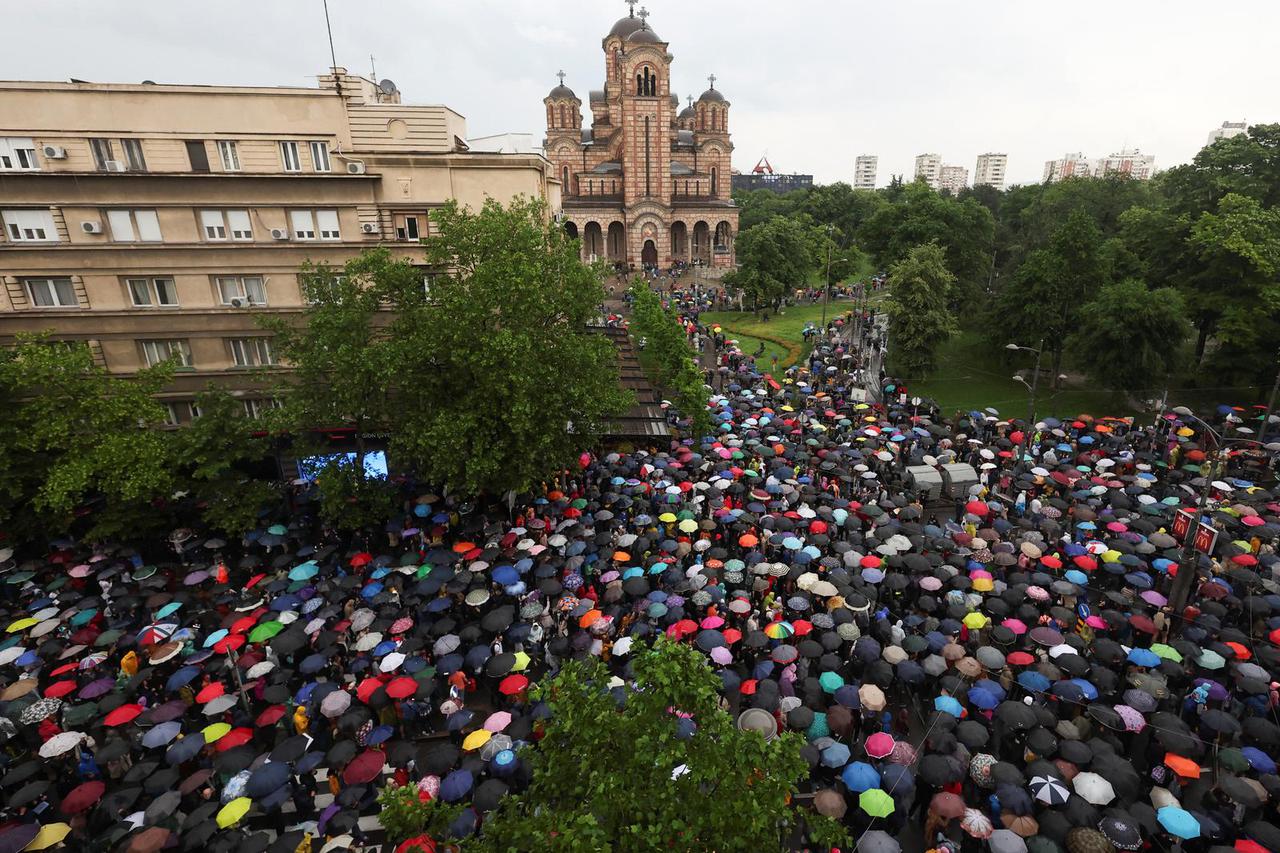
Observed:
{"x":919,"y":320}
{"x":1129,"y":338}
{"x":669,"y":357}
{"x":404,"y":816}
{"x":344,"y":365}
{"x":502,"y":384}
{"x":606,"y":777}
{"x":774,"y":258}
{"x":214,"y":456}
{"x":76,"y":435}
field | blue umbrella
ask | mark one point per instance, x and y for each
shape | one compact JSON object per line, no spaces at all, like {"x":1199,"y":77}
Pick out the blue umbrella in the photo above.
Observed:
{"x":505,"y":575}
{"x":268,"y":778}
{"x":835,"y":755}
{"x":181,"y":678}
{"x":379,"y":735}
{"x":304,"y":572}
{"x":1144,"y":657}
{"x":984,"y":699}
{"x":860,"y":776}
{"x":897,"y":781}
{"x":949,"y":705}
{"x":1086,"y":688}
{"x":161,"y":734}
{"x":1033,"y":681}
{"x":456,"y":786}
{"x":1259,"y":760}
{"x":1179,"y":823}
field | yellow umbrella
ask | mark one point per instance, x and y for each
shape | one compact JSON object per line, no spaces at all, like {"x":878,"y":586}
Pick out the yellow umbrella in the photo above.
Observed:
{"x":476,"y":739}
{"x":215,"y":731}
{"x":1110,"y":556}
{"x":49,"y":835}
{"x":522,"y":662}
{"x":230,"y":814}
{"x":974,"y":621}
{"x":1186,"y":432}
{"x":668,"y":517}
{"x":688,"y":525}
{"x":22,"y":625}
{"x":788,"y":408}
{"x":983,"y":585}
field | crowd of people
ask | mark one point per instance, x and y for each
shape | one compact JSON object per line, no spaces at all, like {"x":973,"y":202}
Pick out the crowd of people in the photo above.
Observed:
{"x":1001,"y":670}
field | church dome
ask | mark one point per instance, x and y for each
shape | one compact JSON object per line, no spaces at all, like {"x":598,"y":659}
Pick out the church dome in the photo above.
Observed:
{"x":644,"y":35}
{"x":562,"y":91}
{"x":625,"y":27}
{"x":712,"y":95}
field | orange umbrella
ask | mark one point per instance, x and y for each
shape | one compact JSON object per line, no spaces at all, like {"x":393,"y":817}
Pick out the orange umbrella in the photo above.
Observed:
{"x":1184,"y":767}
{"x":589,"y":618}
{"x":748,"y":540}
{"x":463,"y":547}
{"x":621,"y":556}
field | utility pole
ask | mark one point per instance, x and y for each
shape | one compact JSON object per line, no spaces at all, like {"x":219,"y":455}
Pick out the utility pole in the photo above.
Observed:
{"x":826,"y":291}
{"x":1031,"y":401}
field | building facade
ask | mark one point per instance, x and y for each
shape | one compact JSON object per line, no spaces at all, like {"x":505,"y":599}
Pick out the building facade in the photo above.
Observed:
{"x":1228,"y":130}
{"x":990,"y":170}
{"x":155,"y":221}
{"x":1133,"y":164}
{"x":772,"y":181}
{"x":1074,"y":165}
{"x":953,"y":179}
{"x":645,"y":182}
{"x":864,"y":171}
{"x":929,"y":167}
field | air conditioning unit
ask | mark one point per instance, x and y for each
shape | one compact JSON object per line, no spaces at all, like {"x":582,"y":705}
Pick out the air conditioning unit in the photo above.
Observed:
{"x":279,"y":234}
{"x":91,"y":226}
{"x":355,"y":168}
{"x":237,"y":302}
{"x":114,"y":166}
{"x":369,"y":228}
{"x":55,"y":152}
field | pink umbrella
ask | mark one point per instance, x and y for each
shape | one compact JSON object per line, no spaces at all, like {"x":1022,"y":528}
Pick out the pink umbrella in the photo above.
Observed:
{"x":1116,"y":527}
{"x":1132,"y":718}
{"x":930,"y":584}
{"x":497,"y":721}
{"x":1039,"y":593}
{"x":1096,"y":621}
{"x":722,"y":655}
{"x":711,"y":622}
{"x":1017,"y":626}
{"x":1150,"y":596}
{"x":879,"y":745}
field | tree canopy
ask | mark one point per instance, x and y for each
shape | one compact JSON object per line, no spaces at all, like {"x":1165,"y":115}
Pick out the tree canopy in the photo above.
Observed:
{"x":774,"y":258}
{"x":919,"y":320}
{"x":1129,"y":338}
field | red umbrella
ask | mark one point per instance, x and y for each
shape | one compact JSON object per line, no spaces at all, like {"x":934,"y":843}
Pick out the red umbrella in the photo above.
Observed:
{"x":59,"y":689}
{"x":365,"y":767}
{"x":367,"y":688}
{"x":243,"y":624}
{"x":210,"y":692}
{"x":234,"y":738}
{"x":122,"y":715}
{"x":361,"y":559}
{"x":513,"y":684}
{"x":271,"y":716}
{"x":65,"y":668}
{"x":978,"y":508}
{"x":1020,"y":659}
{"x":82,"y":797}
{"x":231,"y":641}
{"x":402,"y":687}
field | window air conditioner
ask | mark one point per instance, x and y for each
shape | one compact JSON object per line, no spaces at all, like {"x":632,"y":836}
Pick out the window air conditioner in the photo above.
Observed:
{"x":279,"y":234}
{"x":114,"y":166}
{"x":355,"y":168}
{"x":91,"y":226}
{"x":237,"y":302}
{"x":369,"y":228}
{"x":55,"y":152}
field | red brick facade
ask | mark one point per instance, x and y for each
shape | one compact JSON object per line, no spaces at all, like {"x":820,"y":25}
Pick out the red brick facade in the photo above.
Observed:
{"x":644,"y":181}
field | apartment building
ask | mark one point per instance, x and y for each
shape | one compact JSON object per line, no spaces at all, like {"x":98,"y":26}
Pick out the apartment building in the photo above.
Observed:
{"x":990,"y":170}
{"x":929,"y":167}
{"x":153,"y":221}
{"x":1131,"y":163}
{"x":1228,"y":130}
{"x":864,"y":171}
{"x":953,"y":178}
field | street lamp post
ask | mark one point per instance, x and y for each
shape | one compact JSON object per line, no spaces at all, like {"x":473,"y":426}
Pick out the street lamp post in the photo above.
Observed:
{"x":1031,"y":402}
{"x":1187,"y":563}
{"x":826,"y":291}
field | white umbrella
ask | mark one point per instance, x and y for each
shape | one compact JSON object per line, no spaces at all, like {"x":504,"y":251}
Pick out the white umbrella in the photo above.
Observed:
{"x":219,"y":705}
{"x":623,"y":646}
{"x":391,"y":662}
{"x":368,"y":641}
{"x":259,"y":669}
{"x":335,"y":703}
{"x":1094,"y":788}
{"x":1049,"y":790}
{"x":60,"y":743}
{"x":362,"y":619}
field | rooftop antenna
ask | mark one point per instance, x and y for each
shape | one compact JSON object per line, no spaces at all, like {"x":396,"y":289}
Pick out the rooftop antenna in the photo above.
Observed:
{"x":373,"y":69}
{"x":333,"y":57}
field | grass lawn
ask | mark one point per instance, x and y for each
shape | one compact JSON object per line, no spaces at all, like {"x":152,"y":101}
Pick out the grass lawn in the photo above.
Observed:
{"x":781,"y":332}
{"x":970,"y":377}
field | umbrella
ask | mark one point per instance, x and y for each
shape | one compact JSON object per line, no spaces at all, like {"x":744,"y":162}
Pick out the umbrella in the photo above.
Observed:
{"x":1093,"y":788}
{"x":1049,"y":790}
{"x":876,"y":803}
{"x":1178,"y":822}
{"x":364,"y":768}
{"x":976,"y":824}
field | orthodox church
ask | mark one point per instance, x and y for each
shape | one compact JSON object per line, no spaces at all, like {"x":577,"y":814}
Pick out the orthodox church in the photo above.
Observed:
{"x":645,"y":183}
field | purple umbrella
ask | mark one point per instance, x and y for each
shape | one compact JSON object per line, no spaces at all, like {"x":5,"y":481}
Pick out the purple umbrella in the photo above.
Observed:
{"x":195,"y":578}
{"x":97,"y":687}
{"x":1150,"y":596}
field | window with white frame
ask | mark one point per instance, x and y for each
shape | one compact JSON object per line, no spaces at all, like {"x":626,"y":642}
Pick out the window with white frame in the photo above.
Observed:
{"x":152,"y":292}
{"x":103,"y":153}
{"x":251,"y":352}
{"x":407,"y":227}
{"x":51,"y":292}
{"x":29,"y":226}
{"x":134,"y":161}
{"x":289,"y":157}
{"x":229,"y":155}
{"x":18,"y":153}
{"x":224,"y":224}
{"x":320,"y":157}
{"x":133,"y":226}
{"x":257,"y":407}
{"x":158,"y":352}
{"x":172,"y":410}
{"x":181,"y":411}
{"x":315,"y":224}
{"x":242,"y":289}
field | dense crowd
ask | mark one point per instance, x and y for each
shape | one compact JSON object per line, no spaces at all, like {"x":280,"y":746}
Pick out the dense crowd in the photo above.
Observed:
{"x":999,"y":671}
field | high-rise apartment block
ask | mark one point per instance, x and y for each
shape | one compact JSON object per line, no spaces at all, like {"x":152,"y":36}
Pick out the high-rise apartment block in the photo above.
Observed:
{"x":929,"y":167}
{"x":953,"y":179}
{"x":1228,"y":130}
{"x":990,"y":170}
{"x":1133,"y":163}
{"x":864,"y":171}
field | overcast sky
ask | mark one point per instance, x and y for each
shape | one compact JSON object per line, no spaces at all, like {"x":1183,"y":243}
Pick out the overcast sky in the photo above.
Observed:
{"x":812,"y":84}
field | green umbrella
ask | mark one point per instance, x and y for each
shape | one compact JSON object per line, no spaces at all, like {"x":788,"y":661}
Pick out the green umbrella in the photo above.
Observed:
{"x":144,"y":573}
{"x":1209,"y":659}
{"x":107,"y":638}
{"x":1233,"y":759}
{"x":831,"y":681}
{"x":78,"y":715}
{"x":277,"y":530}
{"x":84,"y":617}
{"x":876,"y":802}
{"x":1167,"y":652}
{"x":265,"y":631}
{"x":20,"y":577}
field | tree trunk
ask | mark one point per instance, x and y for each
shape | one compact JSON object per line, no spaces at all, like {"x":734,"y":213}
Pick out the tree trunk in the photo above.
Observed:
{"x":1057,"y":366}
{"x":1202,"y":338}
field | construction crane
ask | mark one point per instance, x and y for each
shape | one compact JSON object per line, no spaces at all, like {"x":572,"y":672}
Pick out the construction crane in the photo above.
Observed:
{"x":763,"y":167}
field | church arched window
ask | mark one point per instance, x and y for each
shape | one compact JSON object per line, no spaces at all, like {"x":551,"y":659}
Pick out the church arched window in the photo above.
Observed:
{"x":564,"y":116}
{"x":715,"y":180}
{"x":646,"y":82}
{"x":565,"y":182}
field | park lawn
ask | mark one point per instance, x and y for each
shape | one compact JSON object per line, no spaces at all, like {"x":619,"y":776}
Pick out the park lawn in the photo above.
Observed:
{"x":969,"y":377}
{"x":749,"y":345}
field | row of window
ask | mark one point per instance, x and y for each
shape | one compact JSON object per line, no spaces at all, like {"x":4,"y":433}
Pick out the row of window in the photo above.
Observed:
{"x":143,"y":226}
{"x":244,"y":352}
{"x":148,"y":292}
{"x":18,"y":153}
{"x":185,"y":411}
